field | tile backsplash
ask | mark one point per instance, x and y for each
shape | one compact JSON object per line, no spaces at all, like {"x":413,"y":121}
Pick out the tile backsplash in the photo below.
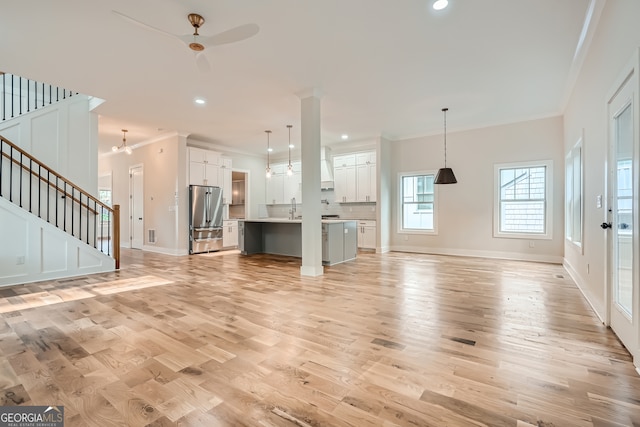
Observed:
{"x":344,"y":210}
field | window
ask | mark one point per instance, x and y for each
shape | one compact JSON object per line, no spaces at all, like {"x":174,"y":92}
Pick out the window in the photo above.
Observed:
{"x":105,"y":197}
{"x":417,"y":204}
{"x":523,"y":200}
{"x":573,"y":195}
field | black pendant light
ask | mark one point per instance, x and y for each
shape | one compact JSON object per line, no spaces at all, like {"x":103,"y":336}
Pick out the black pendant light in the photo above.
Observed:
{"x":445,"y":175}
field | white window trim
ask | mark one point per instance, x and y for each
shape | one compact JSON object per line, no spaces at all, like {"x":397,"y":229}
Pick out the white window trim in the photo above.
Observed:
{"x":548,"y":234}
{"x":401,"y":230}
{"x":578,"y":147}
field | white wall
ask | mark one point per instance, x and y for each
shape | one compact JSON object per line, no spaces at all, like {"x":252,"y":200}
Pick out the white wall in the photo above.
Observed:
{"x":615,"y":40}
{"x":465,"y":209}
{"x":165,"y":192}
{"x":63,"y":136}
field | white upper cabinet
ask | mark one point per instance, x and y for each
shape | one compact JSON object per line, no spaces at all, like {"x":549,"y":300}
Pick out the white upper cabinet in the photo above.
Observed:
{"x":355,"y":177}
{"x":281,"y":188}
{"x":275,"y":185}
{"x":224,"y":179}
{"x":208,"y":167}
{"x":366,"y":175}
{"x":344,"y":178}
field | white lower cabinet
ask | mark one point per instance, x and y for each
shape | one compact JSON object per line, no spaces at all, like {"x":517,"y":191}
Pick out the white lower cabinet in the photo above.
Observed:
{"x":366,"y":234}
{"x":229,"y":233}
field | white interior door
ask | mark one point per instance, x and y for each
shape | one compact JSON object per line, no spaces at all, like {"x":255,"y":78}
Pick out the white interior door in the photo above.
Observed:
{"x":137,"y":207}
{"x":622,"y":237}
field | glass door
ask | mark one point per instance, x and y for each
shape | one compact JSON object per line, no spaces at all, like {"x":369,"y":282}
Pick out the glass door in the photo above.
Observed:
{"x":622,"y":215}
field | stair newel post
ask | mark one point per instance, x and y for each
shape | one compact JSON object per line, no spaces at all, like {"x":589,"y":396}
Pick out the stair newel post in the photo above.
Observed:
{"x":116,"y":235}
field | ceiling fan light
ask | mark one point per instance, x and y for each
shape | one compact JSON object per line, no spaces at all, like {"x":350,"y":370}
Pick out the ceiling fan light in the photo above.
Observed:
{"x":128,"y":150}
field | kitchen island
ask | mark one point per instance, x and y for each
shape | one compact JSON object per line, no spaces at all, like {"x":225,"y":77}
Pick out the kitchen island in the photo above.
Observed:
{"x":281,"y":236}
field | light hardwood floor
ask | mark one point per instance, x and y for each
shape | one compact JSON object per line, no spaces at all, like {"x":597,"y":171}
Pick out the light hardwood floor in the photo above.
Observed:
{"x":385,"y":340}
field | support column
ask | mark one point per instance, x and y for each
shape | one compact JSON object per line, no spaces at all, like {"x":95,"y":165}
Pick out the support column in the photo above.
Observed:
{"x":311,"y":209}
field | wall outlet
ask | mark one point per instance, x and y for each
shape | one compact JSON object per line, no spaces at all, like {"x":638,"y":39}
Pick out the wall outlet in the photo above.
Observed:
{"x":20,"y":260}
{"x":532,"y":244}
{"x":406,"y":237}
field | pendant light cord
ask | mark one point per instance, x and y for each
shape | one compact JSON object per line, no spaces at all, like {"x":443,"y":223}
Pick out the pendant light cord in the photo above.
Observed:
{"x":444,"y":110}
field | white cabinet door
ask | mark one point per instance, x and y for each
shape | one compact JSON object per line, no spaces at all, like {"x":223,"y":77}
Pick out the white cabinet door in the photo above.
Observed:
{"x":344,"y":181}
{"x":292,"y":185}
{"x":275,"y":185}
{"x":366,"y":176}
{"x":224,"y":179}
{"x":211,"y":174}
{"x":367,"y":234}
{"x":197,"y":174}
{"x":203,"y":167}
{"x":229,"y":234}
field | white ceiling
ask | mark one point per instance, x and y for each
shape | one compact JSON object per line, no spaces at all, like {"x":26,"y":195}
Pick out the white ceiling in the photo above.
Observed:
{"x":385,"y":68}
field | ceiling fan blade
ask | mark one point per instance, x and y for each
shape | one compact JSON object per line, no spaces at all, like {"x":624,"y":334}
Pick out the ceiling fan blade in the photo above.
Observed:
{"x":230,"y":36}
{"x":202,"y":62}
{"x":143,"y":25}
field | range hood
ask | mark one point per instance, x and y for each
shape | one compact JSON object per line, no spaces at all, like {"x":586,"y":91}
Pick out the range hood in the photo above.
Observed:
{"x":326,"y":169}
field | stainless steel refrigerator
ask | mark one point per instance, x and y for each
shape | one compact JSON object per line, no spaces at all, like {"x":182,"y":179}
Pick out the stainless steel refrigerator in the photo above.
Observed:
{"x":205,"y":219}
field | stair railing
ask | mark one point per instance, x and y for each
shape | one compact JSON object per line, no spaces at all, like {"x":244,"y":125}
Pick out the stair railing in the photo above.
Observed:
{"x":19,"y":95}
{"x":33,"y":186}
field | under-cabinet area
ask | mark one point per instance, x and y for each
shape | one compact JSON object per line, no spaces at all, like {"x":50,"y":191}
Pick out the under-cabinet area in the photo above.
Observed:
{"x":284,"y":237}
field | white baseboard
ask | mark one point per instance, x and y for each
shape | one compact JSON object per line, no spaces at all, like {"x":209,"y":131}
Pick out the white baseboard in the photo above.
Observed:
{"x":581,"y":284}
{"x":166,"y":251}
{"x":553,"y":259}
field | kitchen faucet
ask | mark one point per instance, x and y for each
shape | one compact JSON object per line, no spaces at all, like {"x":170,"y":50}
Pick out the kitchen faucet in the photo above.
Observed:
{"x":292,"y":211}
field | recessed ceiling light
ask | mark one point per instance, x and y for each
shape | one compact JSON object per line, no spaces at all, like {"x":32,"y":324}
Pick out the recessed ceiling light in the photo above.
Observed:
{"x":440,"y":4}
{"x":344,"y":136}
{"x":200,"y":101}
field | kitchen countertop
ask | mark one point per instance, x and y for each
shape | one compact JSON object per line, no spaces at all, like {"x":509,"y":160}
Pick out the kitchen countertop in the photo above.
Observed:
{"x":296,"y":221}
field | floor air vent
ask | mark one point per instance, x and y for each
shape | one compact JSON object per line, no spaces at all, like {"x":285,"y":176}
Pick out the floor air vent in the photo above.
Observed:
{"x":152,"y":235}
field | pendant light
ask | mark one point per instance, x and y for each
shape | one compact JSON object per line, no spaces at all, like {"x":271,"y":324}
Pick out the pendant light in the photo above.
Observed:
{"x":290,"y":167}
{"x":124,"y":145}
{"x":268,"y":151}
{"x":445,"y":175}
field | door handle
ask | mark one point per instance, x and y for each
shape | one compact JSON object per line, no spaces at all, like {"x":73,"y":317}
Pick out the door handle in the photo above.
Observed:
{"x":605,"y":225}
{"x":140,"y":219}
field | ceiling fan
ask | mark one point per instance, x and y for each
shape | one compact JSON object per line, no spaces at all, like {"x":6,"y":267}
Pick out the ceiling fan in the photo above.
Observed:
{"x":198,"y":43}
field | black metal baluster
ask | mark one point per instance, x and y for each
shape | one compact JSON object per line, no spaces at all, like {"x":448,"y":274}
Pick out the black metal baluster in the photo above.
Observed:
{"x":64,"y":208}
{"x":50,"y":100}
{"x":4,"y":95}
{"x":48,"y":194}
{"x":56,"y":201}
{"x":101,"y":222}
{"x":20,"y":96}
{"x":109,"y":222}
{"x":72,"y":212}
{"x":39,"y":191}
{"x":80,"y":215}
{"x":57,"y":94}
{"x":43,"y":94}
{"x":95,"y":224}
{"x":11,"y":95}
{"x":30,"y":184}
{"x":11,"y":173}
{"x":20,"y":175}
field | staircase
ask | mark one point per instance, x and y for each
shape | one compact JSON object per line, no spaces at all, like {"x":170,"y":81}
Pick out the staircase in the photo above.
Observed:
{"x":19,"y":95}
{"x":49,"y":226}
